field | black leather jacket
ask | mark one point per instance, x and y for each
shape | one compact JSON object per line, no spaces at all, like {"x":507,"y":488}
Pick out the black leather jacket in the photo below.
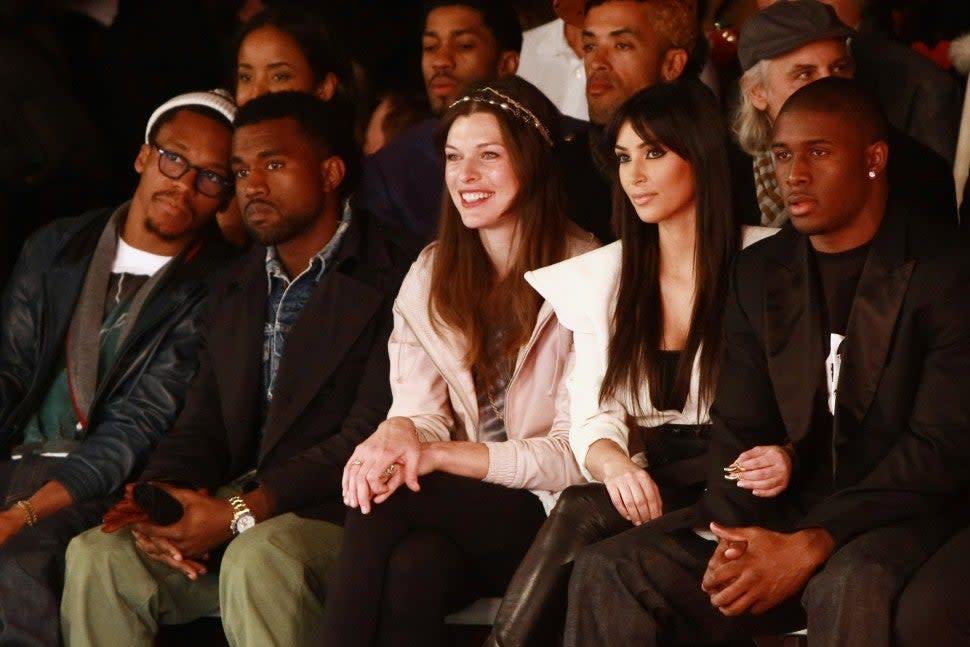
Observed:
{"x":138,"y":399}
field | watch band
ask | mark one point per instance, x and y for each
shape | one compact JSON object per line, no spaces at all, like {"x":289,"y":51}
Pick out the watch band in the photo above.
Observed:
{"x":239,"y":510}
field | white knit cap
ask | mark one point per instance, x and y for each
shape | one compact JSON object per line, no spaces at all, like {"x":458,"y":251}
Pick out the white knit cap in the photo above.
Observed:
{"x":218,"y":99}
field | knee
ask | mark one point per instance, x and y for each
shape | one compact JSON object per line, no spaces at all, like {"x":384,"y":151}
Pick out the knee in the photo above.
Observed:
{"x":858,"y":579}
{"x":95,"y":551}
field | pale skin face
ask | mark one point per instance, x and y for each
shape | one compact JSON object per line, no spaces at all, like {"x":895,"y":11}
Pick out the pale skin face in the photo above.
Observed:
{"x":479,"y":174}
{"x":658,"y":181}
{"x":789,"y":72}
{"x":270,"y":60}
{"x":457,"y":49}
{"x":623,"y":54}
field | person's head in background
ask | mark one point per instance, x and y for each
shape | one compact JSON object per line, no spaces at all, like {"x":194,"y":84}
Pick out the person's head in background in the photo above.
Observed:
{"x":502,"y":214}
{"x":285,"y":48}
{"x":849,"y":11}
{"x":783,"y":47}
{"x":630,"y":45}
{"x":395,"y":112}
{"x":671,"y":182}
{"x":464,"y":42}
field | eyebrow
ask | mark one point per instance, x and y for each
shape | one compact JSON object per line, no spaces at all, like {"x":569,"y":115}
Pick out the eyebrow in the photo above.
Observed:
{"x":808,"y":142}
{"x":479,"y":145}
{"x":623,"y":31}
{"x":452,"y":33}
{"x":263,"y":154}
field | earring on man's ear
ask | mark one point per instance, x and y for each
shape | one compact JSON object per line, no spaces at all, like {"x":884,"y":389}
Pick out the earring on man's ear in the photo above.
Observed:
{"x":872,"y":174}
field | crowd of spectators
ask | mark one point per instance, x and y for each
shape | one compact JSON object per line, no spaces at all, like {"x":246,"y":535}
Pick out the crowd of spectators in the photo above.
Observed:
{"x":648,"y":317}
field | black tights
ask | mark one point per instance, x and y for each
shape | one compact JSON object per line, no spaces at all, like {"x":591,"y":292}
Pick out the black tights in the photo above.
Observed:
{"x":420,"y":555}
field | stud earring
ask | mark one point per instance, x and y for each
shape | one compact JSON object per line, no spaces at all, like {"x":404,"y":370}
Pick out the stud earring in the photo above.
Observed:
{"x":872,"y":174}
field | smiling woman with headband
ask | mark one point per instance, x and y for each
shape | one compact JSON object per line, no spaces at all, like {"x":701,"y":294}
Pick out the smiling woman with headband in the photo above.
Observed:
{"x":478,"y":428}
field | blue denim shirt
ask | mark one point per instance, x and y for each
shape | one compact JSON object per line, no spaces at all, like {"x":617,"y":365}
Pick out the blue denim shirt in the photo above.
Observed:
{"x":286,"y":300}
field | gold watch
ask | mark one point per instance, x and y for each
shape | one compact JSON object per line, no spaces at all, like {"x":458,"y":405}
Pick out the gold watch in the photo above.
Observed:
{"x":242,"y":516}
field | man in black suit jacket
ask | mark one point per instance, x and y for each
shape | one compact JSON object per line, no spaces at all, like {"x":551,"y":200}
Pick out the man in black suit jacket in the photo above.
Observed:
{"x":847,"y":335}
{"x":293,"y":375}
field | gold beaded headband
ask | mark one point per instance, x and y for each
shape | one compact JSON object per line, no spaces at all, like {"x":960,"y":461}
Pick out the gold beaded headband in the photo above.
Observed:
{"x":509,"y":105}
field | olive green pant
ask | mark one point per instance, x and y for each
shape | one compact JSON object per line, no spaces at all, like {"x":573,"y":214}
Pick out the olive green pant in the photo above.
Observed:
{"x":269,"y":590}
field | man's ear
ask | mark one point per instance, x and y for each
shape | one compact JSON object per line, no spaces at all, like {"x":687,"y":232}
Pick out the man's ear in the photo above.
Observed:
{"x":327,"y":87}
{"x":673,"y":64}
{"x":332,"y":170}
{"x":877,"y":156}
{"x":508,"y":63}
{"x":757,"y":95}
{"x":142,"y":158}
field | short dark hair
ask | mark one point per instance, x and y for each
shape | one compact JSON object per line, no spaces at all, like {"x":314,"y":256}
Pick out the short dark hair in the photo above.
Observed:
{"x":323,"y":51}
{"x":845,"y":97}
{"x":497,"y":15}
{"x":169,"y":115}
{"x":328,"y":125}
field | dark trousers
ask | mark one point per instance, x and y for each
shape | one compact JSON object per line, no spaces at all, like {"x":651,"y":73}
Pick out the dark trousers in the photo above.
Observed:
{"x":643,"y":588}
{"x":420,"y":555}
{"x":934,"y":608}
{"x":32,"y":569}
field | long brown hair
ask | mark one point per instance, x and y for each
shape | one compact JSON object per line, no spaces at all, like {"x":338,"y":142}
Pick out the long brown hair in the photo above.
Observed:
{"x":683,"y":117}
{"x":467,"y":294}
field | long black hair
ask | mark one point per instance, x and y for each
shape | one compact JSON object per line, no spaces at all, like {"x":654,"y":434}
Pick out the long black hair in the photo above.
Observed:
{"x":683,"y":117}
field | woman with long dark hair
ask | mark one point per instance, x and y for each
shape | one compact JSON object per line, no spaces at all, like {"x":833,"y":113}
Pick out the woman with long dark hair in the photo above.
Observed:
{"x":646,"y":317}
{"x":478,"y":429}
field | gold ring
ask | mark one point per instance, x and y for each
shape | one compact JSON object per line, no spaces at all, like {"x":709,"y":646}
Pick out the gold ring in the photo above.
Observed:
{"x":357,"y":462}
{"x":390,"y":471}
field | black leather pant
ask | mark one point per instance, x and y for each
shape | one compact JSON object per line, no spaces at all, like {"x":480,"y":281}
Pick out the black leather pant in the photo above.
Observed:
{"x":534,"y":607}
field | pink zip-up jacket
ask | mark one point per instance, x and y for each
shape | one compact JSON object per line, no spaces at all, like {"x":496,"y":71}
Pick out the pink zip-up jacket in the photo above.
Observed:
{"x":432,"y":386}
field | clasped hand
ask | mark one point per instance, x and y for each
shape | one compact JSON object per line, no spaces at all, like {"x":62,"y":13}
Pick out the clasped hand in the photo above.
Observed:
{"x":186,"y":544}
{"x":390,"y":457}
{"x":754,"y":569}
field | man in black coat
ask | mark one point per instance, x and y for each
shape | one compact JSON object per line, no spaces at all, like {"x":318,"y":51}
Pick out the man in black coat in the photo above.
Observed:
{"x":98,"y":339}
{"x":293,"y":375}
{"x":848,"y":336}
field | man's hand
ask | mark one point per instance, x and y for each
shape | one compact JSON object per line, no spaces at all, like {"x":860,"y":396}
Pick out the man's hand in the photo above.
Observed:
{"x":765,"y":470}
{"x":162,"y":550}
{"x":757,"y":569}
{"x":371,"y":470}
{"x":185,"y":544}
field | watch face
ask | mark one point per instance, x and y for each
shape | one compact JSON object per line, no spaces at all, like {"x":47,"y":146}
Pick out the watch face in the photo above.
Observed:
{"x":245,"y":522}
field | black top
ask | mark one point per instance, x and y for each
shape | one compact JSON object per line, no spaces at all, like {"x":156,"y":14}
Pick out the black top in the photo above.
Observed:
{"x":839,"y":274}
{"x":669,"y":359}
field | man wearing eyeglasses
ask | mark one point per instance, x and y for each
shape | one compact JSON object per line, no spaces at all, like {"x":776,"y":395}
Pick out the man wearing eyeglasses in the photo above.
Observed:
{"x":98,"y":342}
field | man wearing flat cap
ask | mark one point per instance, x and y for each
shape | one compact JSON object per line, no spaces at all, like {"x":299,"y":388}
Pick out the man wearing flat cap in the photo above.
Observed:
{"x":98,"y":341}
{"x":786,"y":46}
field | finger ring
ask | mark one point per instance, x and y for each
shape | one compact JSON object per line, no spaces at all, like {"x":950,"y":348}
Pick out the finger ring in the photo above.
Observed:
{"x":390,"y":471}
{"x":357,"y":462}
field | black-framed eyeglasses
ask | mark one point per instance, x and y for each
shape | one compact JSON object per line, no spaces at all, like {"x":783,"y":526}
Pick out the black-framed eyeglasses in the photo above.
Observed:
{"x":207,"y":182}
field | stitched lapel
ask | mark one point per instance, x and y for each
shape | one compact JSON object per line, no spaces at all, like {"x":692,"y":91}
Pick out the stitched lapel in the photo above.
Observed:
{"x":878,"y":299}
{"x":792,"y":332}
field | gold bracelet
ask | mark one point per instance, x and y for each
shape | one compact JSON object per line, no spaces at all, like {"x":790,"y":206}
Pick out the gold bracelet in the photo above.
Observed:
{"x":29,"y":512}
